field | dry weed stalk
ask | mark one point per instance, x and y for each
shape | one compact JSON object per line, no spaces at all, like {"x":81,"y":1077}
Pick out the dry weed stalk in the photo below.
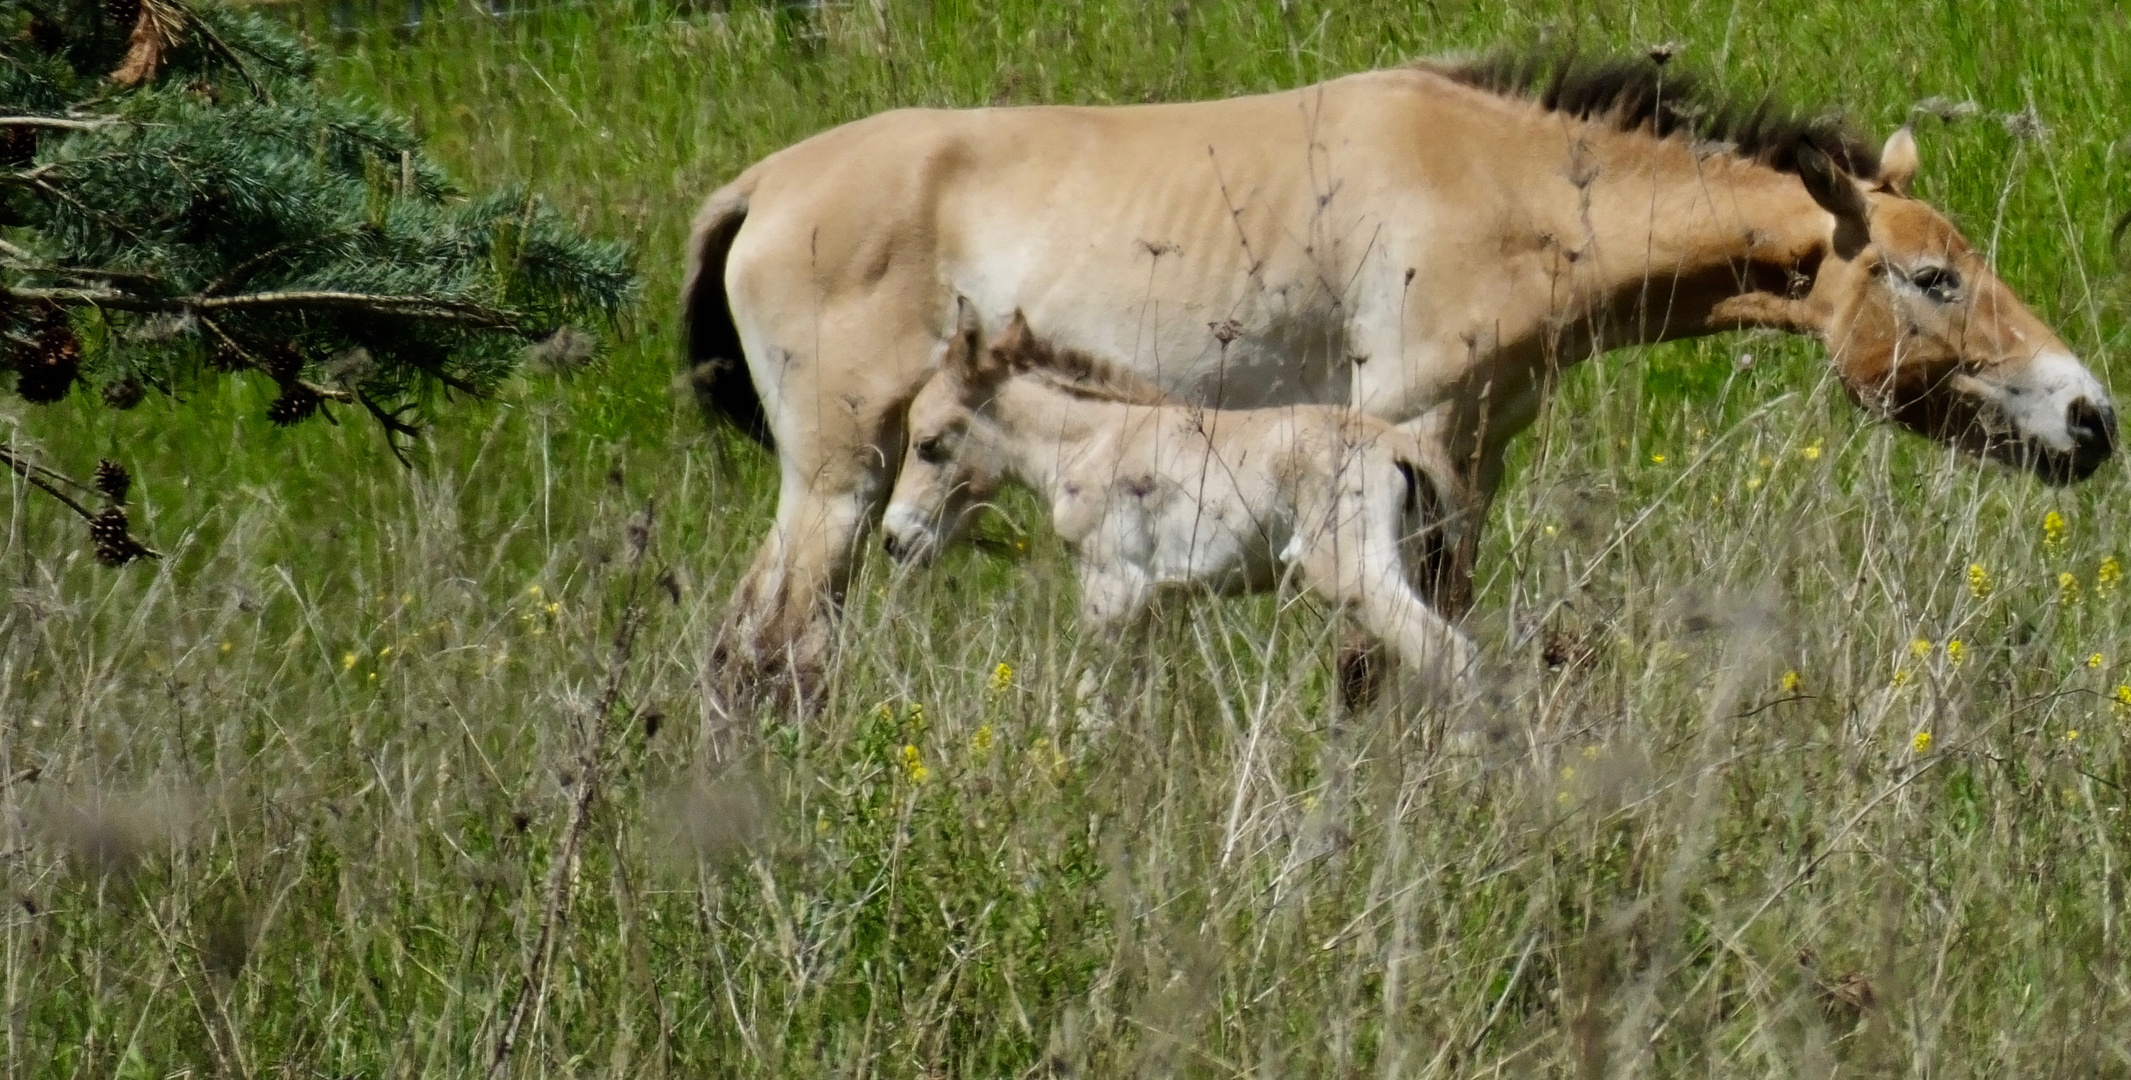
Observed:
{"x":562,"y":872}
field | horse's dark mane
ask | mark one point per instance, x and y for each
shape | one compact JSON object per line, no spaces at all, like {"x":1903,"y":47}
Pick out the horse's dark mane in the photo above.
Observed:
{"x":1648,"y":93}
{"x":1071,"y":371}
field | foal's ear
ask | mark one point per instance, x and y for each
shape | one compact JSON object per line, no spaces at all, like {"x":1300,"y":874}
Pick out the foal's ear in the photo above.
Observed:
{"x":1838,"y":194}
{"x":1898,"y":162}
{"x":1013,"y":341}
{"x":964,"y":354}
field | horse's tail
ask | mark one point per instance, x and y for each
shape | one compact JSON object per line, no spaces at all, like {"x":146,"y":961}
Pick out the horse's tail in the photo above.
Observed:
{"x":710,"y":342}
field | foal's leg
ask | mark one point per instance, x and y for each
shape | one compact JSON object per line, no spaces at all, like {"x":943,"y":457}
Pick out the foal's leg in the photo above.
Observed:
{"x":1114,"y":608}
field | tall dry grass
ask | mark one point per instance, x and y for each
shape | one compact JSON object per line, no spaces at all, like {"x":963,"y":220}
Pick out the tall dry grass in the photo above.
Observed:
{"x":291,"y":802}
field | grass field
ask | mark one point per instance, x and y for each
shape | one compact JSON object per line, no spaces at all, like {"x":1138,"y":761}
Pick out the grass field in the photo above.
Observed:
{"x":1831,"y":783}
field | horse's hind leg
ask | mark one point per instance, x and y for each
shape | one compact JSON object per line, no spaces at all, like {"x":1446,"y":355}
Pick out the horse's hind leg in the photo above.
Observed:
{"x":778,"y":629}
{"x":837,"y":417}
{"x":1372,"y":587}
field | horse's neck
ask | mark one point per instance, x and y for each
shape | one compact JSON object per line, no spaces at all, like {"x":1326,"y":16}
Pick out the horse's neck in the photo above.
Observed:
{"x":1040,"y":426}
{"x":1653,"y":242}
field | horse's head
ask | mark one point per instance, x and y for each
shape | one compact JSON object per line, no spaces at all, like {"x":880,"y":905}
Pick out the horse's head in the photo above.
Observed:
{"x":1922,"y":331}
{"x":955,"y":460}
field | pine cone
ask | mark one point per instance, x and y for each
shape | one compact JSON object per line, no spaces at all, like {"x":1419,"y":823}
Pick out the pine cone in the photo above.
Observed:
{"x":226,"y":356}
{"x":284,"y":361}
{"x":46,"y":371}
{"x":123,"y":393}
{"x":113,"y":480}
{"x":295,"y":405}
{"x":115,"y":546}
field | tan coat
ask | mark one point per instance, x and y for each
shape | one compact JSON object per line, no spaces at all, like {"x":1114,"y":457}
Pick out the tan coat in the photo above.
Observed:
{"x":1152,"y":496}
{"x":1426,"y":244}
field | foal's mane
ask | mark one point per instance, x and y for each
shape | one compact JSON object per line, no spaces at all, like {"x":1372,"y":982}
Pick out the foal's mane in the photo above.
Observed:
{"x":1071,"y":371}
{"x":1648,"y":93}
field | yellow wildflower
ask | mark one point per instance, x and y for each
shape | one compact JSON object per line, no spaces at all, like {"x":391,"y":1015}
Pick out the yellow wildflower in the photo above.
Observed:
{"x":2053,"y":528}
{"x":2071,"y":735}
{"x":1956,"y":651}
{"x":1568,"y":772}
{"x":226,"y":647}
{"x":980,"y":744}
{"x":384,"y":652}
{"x":1753,"y":483}
{"x":1901,"y":676}
{"x":347,"y":661}
{"x":2120,"y":702}
{"x":1002,"y":677}
{"x":918,"y":723}
{"x":2095,"y":660}
{"x":1978,"y":581}
{"x":1791,"y":682}
{"x":914,"y":766}
{"x":554,"y":607}
{"x":1921,"y":742}
{"x":2108,"y":576}
{"x":533,"y":591}
{"x":1657,"y":459}
{"x":1590,"y":753}
{"x":2067,"y":588}
{"x":1920,"y":648}
{"x":1812,"y":450}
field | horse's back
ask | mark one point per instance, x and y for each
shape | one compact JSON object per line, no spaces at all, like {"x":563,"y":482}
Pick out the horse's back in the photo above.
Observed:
{"x":1127,"y":231}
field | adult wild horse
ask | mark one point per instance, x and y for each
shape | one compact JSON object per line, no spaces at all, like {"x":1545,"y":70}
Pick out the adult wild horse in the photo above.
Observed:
{"x":1432,"y":242}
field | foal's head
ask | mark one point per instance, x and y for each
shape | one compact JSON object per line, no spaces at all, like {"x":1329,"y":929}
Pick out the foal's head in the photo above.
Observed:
{"x":958,"y":450}
{"x":1921,"y":330}
{"x":955,"y":460}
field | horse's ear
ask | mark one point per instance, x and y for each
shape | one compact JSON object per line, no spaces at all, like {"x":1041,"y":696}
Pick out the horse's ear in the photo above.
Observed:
{"x":1838,"y":194}
{"x":1898,"y":162}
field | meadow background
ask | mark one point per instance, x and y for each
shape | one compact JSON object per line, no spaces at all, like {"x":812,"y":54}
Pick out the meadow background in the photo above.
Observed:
{"x":1813,"y":761}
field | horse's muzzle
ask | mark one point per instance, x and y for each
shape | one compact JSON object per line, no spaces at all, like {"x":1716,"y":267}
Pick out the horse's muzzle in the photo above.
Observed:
{"x":2093,"y":431}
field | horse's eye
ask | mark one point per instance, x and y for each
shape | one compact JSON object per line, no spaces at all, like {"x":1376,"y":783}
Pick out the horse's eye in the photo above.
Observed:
{"x":931,"y":452}
{"x":1937,"y":282}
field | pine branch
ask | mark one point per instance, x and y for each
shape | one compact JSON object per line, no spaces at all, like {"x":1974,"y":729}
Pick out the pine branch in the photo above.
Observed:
{"x":435,"y":308}
{"x":127,"y":547}
{"x":60,"y":123}
{"x":166,"y":226}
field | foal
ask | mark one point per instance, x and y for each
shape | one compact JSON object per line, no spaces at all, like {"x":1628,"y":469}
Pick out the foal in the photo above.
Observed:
{"x":1150,"y":494}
